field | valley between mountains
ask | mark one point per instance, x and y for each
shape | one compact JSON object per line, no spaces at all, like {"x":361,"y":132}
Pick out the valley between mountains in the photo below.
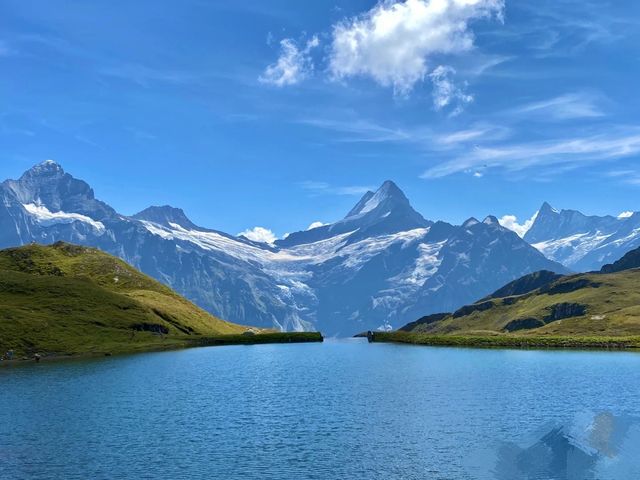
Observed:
{"x":380,"y":267}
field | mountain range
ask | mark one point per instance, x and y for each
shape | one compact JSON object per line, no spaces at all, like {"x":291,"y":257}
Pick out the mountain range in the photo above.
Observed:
{"x":580,"y":242}
{"x":381,"y":266}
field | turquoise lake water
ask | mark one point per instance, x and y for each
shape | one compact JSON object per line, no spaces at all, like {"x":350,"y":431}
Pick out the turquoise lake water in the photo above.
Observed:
{"x":338,"y":410}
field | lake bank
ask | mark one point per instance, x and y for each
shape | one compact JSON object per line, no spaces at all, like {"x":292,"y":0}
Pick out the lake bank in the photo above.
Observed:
{"x":178,"y":344}
{"x":504,"y":341}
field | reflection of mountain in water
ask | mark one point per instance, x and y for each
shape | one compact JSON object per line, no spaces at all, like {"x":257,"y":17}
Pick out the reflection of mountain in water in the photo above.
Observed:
{"x":600,"y":447}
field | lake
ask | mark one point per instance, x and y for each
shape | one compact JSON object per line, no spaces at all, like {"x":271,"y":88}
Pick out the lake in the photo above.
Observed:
{"x":338,"y":410}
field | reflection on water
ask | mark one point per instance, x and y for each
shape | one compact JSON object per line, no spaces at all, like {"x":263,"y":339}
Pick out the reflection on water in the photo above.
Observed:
{"x":600,"y":446}
{"x":339,"y":410}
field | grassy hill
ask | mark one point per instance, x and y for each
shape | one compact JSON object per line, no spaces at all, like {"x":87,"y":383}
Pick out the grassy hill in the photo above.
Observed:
{"x":545,"y":309}
{"x":68,"y":300}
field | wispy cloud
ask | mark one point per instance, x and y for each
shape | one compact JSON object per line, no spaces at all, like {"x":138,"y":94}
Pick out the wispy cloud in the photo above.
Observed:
{"x":446,"y":92}
{"x":563,"y":107}
{"x":293,"y":65}
{"x":571,"y":152}
{"x":627,"y":176}
{"x":474,"y":134}
{"x":145,"y":76}
{"x":560,"y":29}
{"x":323,"y":188}
{"x":356,"y":129}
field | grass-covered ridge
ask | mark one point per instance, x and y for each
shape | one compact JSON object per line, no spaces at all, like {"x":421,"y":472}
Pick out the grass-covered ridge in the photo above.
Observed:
{"x":69,"y":300}
{"x":592,"y":304}
{"x":511,"y":341}
{"x":590,"y":310}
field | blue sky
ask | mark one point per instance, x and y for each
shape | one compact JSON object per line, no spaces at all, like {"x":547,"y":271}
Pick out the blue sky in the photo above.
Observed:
{"x":281,"y":113}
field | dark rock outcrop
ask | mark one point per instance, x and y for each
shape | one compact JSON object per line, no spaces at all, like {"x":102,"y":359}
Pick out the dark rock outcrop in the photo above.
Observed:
{"x":561,"y":311}
{"x":523,"y":324}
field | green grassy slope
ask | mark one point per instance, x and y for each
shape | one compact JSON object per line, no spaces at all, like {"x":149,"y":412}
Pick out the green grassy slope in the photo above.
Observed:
{"x":591,"y":305}
{"x":64,"y":299}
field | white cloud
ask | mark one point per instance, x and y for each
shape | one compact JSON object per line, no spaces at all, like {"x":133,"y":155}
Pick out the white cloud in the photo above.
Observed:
{"x":358,"y":130}
{"x":564,"y":107}
{"x":626,"y":214}
{"x":561,"y":153}
{"x":316,"y":225}
{"x":446,"y":92}
{"x":293,"y":65}
{"x":478,"y":174}
{"x":511,"y":222}
{"x":324,"y":188}
{"x":259,"y":234}
{"x":394,"y":41}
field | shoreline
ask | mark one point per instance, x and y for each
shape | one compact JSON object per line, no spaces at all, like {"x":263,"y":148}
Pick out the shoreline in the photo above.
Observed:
{"x":507,"y":342}
{"x":271,"y":338}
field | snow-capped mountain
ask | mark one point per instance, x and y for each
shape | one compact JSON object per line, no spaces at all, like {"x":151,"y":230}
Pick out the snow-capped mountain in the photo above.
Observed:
{"x":379,"y":267}
{"x":581,"y":242}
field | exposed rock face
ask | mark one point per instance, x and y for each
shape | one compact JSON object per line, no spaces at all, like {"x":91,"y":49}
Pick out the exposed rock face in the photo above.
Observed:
{"x":523,"y":324}
{"x":561,"y":311}
{"x":569,"y":286}
{"x":469,"y":309}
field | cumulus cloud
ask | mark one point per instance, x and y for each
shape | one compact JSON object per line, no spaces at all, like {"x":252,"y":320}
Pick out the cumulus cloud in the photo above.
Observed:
{"x":395,"y":40}
{"x":511,"y":222}
{"x":259,"y":234}
{"x":293,"y":65}
{"x":316,"y":225}
{"x":446,"y":92}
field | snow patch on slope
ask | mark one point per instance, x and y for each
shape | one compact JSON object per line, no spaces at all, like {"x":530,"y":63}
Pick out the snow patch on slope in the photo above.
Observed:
{"x":46,"y":217}
{"x":577,"y":246}
{"x":425,"y":267}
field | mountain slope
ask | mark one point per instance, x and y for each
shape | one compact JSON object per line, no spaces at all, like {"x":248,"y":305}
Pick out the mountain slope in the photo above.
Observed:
{"x":66,"y":299}
{"x":605,"y":303}
{"x":581,"y":242}
{"x":379,"y":267}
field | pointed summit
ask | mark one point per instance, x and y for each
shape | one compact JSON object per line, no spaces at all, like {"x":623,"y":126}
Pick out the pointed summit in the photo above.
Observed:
{"x":47,"y":185}
{"x":166,"y":215}
{"x":48,"y":168}
{"x":385,"y":211}
{"x":547,"y":209}
{"x":386,"y":199}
